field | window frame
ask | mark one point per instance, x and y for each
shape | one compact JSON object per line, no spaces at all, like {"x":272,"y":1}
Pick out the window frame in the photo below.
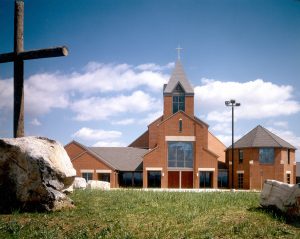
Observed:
{"x":86,"y":174}
{"x":241,"y":156}
{"x":261,"y":154}
{"x":240,"y":180}
{"x":180,"y":151}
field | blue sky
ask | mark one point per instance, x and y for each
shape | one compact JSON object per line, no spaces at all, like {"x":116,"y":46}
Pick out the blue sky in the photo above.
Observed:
{"x":121,"y":53}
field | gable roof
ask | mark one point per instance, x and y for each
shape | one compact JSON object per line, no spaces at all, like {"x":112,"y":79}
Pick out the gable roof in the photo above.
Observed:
{"x":178,"y":77}
{"x":195,"y":119}
{"x":261,"y":137}
{"x":121,"y":158}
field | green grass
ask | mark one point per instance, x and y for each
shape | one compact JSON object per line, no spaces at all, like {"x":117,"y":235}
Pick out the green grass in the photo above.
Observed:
{"x":140,"y":214}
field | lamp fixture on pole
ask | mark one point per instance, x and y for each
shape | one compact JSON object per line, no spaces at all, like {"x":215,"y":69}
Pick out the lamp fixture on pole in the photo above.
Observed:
{"x":232,"y":103}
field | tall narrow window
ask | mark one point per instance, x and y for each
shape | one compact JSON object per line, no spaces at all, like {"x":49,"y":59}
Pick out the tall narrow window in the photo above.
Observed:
{"x":240,"y":180}
{"x":288,"y":178}
{"x":241,"y":156}
{"x":288,"y":156}
{"x":178,"y":99}
{"x":180,"y":125}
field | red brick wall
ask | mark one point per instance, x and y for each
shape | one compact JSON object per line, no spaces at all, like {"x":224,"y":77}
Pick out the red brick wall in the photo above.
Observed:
{"x":83,"y":160}
{"x":215,"y":145}
{"x":255,"y":174}
{"x":142,"y":141}
{"x":170,"y":127}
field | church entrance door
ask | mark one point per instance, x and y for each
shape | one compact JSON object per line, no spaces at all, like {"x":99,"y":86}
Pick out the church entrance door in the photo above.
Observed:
{"x":180,"y":179}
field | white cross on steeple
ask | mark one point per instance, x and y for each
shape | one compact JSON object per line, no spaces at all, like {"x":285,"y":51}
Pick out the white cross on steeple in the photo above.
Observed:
{"x":178,"y":51}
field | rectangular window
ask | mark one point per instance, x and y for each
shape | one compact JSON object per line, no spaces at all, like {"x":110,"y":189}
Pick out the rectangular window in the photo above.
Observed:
{"x":180,"y":154}
{"x":206,"y":178}
{"x":240,"y":180}
{"x":154,"y":179}
{"x":288,"y":178}
{"x":241,"y":156}
{"x":104,"y":177}
{"x":222,"y":178}
{"x":87,"y":176}
{"x":266,"y":155}
{"x":131,"y":179}
{"x":288,"y":156}
{"x":178,"y":102}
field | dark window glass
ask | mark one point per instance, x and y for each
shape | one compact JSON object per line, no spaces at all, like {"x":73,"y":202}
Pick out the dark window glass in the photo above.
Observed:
{"x":154,"y":179}
{"x":180,"y":125}
{"x":87,"y":176}
{"x":222,"y":178}
{"x":178,"y":99}
{"x":288,"y":178}
{"x":266,"y":155}
{"x":206,"y":178}
{"x":240,"y":180}
{"x":180,"y":154}
{"x":138,"y":179}
{"x":288,"y":156}
{"x":104,"y":177}
{"x":131,"y":179}
{"x":241,"y":156}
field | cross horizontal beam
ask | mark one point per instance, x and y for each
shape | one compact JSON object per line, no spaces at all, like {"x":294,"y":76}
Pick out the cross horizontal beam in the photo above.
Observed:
{"x":34,"y":54}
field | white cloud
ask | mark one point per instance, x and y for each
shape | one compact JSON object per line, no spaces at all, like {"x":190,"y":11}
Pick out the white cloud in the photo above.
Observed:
{"x":6,"y":94}
{"x":223,"y":127}
{"x":99,"y":108}
{"x":97,"y":134}
{"x":108,"y":144}
{"x":154,"y":67}
{"x":281,"y":124}
{"x":124,"y":121}
{"x":259,"y":99}
{"x":35,"y":122}
{"x":150,"y":117}
{"x":47,"y":91}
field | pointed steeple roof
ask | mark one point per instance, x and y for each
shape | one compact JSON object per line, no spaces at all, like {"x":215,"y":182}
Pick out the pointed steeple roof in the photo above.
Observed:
{"x":261,"y":137}
{"x":178,"y":77}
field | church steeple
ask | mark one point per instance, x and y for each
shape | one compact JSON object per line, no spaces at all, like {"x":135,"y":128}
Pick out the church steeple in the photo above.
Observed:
{"x":178,"y":77}
{"x":178,"y":93}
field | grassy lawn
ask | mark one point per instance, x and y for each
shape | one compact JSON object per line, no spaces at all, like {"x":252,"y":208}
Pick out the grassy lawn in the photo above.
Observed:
{"x":139,"y":214}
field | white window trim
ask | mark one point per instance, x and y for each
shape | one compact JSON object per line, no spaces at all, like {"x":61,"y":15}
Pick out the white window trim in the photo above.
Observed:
{"x":153,"y":169}
{"x":87,"y":170}
{"x":180,"y":138}
{"x":103,"y":171}
{"x":207,"y":169}
{"x":288,"y":172}
{"x":240,"y":171}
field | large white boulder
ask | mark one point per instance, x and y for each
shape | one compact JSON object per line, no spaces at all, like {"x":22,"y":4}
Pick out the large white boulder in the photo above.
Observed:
{"x":94,"y":184}
{"x":34,"y":172}
{"x":285,"y":197}
{"x":79,"y":183}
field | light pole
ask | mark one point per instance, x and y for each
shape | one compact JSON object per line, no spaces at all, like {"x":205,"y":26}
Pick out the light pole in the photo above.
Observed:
{"x":232,"y":103}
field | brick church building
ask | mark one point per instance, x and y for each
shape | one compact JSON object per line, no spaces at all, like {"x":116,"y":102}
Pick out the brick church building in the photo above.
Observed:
{"x":176,"y":151}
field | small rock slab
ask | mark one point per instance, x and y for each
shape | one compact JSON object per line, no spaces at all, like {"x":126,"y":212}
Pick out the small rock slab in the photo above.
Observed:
{"x":94,"y":184}
{"x":283,"y":196}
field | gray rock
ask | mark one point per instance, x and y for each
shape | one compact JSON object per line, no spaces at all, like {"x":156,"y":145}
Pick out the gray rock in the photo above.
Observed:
{"x":94,"y":184}
{"x":283,"y":196}
{"x":34,"y":172}
{"x":79,"y":183}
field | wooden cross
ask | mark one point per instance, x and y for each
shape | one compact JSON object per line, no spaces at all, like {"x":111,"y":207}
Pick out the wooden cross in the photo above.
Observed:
{"x":18,"y":57}
{"x":178,"y":51}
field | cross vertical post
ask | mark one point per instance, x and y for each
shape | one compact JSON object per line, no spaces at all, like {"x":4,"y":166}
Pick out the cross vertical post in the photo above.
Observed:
{"x":178,"y":51}
{"x":17,"y":57}
{"x":18,"y":70}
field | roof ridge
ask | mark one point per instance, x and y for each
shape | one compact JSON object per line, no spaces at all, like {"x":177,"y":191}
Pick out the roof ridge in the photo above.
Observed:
{"x":271,"y":135}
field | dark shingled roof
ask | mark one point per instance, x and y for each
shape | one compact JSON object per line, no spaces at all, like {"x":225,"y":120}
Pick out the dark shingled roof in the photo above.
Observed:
{"x":178,"y":76}
{"x":121,"y":158}
{"x":261,"y":137}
